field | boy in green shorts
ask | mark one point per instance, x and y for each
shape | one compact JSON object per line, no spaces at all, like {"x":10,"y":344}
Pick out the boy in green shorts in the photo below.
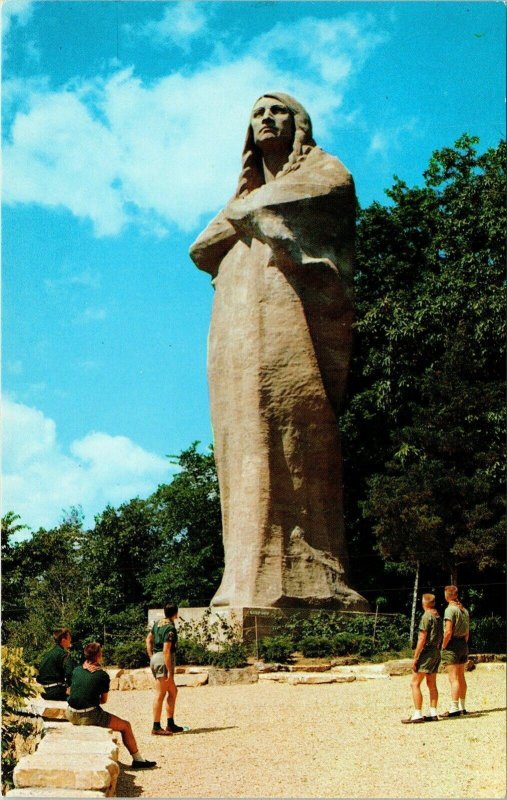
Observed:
{"x":455,"y":650}
{"x":426,"y":661}
{"x":161,"y":644}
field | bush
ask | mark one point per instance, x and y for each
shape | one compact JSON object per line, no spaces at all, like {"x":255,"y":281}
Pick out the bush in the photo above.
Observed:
{"x":18,"y":684}
{"x":487,"y":635}
{"x":230,"y":655}
{"x":276,"y":648}
{"x":315,"y":646}
{"x":18,"y":679}
{"x":344,"y":644}
{"x":190,"y":651}
{"x":131,"y":655}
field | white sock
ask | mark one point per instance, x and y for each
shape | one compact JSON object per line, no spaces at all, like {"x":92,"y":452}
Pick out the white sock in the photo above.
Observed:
{"x":433,"y":712}
{"x":454,"y":706}
{"x":137,"y":757}
{"x":461,"y":704}
{"x":417,"y":714}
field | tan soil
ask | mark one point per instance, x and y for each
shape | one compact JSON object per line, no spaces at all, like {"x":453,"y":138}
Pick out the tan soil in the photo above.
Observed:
{"x":338,"y":740}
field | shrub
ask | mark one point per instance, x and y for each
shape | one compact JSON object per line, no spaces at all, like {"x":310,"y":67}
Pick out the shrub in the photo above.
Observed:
{"x":131,"y":655}
{"x":487,"y":635}
{"x":276,"y":648}
{"x":18,"y":678}
{"x":230,"y":655}
{"x":190,"y":651}
{"x":344,"y":644}
{"x":315,"y":646}
{"x":18,"y":683}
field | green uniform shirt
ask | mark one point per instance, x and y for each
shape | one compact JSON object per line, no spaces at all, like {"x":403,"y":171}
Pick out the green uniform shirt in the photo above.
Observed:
{"x":433,"y":626}
{"x":86,"y":687}
{"x":460,"y":619}
{"x":164,"y":631}
{"x":56,"y":667}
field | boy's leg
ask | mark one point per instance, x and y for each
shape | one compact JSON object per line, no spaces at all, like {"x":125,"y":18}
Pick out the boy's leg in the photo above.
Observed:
{"x":161,"y":689}
{"x":462,"y":687}
{"x":172,"y":692}
{"x":431,"y":681}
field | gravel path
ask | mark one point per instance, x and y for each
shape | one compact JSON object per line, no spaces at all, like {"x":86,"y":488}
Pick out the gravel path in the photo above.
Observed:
{"x":337,"y":740}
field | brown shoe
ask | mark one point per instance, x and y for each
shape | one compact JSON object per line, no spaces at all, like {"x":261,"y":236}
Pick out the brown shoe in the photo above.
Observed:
{"x":411,"y":721}
{"x":450,"y":714}
{"x":160,"y":732}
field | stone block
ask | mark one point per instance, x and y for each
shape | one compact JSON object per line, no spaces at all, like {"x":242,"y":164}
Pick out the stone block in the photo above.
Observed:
{"x":82,"y":771}
{"x":224,"y":677}
{"x":58,"y":745}
{"x":364,"y":672}
{"x":309,"y":667}
{"x":49,"y":709}
{"x":399,"y":666}
{"x":47,"y":792}
{"x":313,"y":678}
{"x":136,"y":679}
{"x":191,"y":680}
{"x":344,"y":661}
{"x":81,"y":732}
{"x":308,"y":678}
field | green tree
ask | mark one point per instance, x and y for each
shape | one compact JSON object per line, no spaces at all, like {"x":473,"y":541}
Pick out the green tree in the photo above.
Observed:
{"x":190,"y":560}
{"x":424,"y":428}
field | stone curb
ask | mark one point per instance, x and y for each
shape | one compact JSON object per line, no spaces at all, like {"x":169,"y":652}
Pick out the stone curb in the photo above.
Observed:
{"x":95,"y":772}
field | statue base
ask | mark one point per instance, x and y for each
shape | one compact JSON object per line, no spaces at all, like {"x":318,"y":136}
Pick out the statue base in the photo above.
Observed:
{"x":249,"y":623}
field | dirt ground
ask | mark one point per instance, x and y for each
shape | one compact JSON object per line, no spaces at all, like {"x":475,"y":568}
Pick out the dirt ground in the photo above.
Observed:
{"x":334,"y":740}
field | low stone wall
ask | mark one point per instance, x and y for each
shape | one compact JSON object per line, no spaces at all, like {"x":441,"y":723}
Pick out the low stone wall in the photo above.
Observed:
{"x":77,"y":761}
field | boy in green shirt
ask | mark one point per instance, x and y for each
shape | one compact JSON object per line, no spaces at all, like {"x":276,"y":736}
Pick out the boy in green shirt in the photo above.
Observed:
{"x":426,"y":661}
{"x":56,"y":667}
{"x":161,"y":644}
{"x":455,"y":650}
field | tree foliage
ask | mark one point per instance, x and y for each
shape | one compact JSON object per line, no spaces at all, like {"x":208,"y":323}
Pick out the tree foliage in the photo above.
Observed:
{"x":425,"y":423}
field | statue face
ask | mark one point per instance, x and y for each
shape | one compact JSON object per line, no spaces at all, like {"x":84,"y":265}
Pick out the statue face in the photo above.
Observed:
{"x":272,"y":124}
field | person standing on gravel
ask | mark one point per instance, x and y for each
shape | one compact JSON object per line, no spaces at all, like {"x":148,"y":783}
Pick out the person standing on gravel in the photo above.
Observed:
{"x":89,"y":688}
{"x":426,"y":661}
{"x":455,"y":650}
{"x":161,"y":644}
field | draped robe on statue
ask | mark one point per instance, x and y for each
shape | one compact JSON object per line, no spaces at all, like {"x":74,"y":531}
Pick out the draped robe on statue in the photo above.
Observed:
{"x":279,"y":344}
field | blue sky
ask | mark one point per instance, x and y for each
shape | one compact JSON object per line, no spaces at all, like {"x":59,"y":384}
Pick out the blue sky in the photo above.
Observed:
{"x":123,"y":125}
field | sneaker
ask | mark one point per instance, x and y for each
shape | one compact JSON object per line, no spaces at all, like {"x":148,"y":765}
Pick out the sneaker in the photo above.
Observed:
{"x":161,"y":732}
{"x":143,"y":764}
{"x":174,"y":728}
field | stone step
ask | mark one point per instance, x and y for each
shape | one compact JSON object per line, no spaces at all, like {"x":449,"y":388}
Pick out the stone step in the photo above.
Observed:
{"x":300,"y":678}
{"x":49,"y":709}
{"x":83,"y":771}
{"x":54,"y":730}
{"x":191,"y":679}
{"x":363,"y":672}
{"x":57,"y":746}
{"x":48,"y":792}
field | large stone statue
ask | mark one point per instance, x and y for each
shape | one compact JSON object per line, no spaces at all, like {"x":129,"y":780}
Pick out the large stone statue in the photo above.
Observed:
{"x":281,"y":257}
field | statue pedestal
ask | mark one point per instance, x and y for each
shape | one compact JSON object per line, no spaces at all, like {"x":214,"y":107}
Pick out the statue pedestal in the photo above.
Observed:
{"x":250,"y":623}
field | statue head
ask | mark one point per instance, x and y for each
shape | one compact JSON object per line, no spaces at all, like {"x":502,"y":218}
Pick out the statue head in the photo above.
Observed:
{"x":252,"y":175}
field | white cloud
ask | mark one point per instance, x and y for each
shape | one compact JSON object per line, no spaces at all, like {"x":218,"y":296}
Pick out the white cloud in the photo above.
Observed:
{"x":92,"y":315}
{"x":181,"y":23}
{"x":119,"y":150}
{"x":18,"y":10}
{"x":384,"y":141}
{"x":41,"y":479}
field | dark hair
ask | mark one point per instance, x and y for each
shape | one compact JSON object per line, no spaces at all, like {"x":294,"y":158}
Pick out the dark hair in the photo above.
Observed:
{"x":92,"y":651}
{"x":60,"y":633}
{"x":170,"y":610}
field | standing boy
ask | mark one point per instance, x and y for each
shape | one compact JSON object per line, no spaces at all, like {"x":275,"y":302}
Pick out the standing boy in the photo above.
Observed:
{"x":426,"y":661}
{"x":161,"y":645}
